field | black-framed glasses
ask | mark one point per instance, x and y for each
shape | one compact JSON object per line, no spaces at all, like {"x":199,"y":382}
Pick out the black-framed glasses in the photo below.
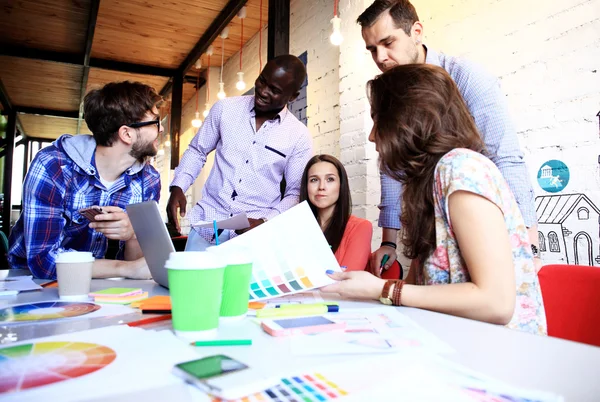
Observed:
{"x":145,"y":123}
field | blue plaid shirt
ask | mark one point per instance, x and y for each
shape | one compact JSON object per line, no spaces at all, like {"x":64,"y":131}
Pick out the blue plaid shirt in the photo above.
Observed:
{"x":488,"y":107}
{"x":61,"y":180}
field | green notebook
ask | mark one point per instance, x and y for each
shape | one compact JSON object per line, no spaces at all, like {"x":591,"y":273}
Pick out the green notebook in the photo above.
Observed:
{"x":117,"y":292}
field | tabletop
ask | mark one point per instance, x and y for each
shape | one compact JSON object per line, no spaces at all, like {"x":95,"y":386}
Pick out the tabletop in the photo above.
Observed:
{"x":548,"y":364}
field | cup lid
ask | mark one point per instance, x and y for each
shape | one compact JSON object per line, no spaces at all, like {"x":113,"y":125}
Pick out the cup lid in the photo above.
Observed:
{"x":193,"y":260}
{"x":74,"y":257}
{"x":232,"y":255}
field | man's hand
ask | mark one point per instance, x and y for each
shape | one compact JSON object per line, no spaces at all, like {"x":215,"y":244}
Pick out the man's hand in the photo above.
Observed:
{"x":253,"y":223}
{"x":377,"y":257}
{"x":176,"y":200}
{"x":137,"y":269}
{"x":114,"y":224}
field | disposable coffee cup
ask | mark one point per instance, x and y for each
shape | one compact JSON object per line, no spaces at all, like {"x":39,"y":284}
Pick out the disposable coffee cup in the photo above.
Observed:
{"x":74,"y":275}
{"x":236,"y":282}
{"x":195,"y":283}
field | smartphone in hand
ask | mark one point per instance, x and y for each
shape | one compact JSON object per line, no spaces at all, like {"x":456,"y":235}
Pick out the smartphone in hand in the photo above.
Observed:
{"x":91,"y":212}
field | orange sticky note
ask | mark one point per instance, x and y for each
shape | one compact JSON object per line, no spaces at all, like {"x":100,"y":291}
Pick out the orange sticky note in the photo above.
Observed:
{"x":154,"y":303}
{"x":256,"y":305}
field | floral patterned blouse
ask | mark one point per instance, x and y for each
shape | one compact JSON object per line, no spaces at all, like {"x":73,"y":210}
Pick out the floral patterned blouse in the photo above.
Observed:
{"x":466,"y":170}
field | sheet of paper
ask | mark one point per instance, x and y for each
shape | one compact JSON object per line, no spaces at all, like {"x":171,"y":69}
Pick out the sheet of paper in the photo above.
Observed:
{"x":239,"y":221}
{"x":401,"y":377}
{"x":290,"y":254}
{"x":368,"y":331}
{"x":19,"y":283}
{"x":119,"y":360}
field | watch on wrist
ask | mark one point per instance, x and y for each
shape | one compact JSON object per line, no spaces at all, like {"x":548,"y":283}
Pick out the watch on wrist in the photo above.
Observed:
{"x":535,"y":251}
{"x":386,"y":296}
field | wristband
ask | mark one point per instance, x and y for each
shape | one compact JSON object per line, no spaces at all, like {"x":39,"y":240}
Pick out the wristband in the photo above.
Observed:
{"x":388,"y":244}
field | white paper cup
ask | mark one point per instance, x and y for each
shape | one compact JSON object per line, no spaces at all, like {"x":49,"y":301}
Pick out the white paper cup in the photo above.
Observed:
{"x":74,"y":275}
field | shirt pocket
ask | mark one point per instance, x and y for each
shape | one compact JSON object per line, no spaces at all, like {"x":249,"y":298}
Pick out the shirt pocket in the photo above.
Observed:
{"x":272,"y":161}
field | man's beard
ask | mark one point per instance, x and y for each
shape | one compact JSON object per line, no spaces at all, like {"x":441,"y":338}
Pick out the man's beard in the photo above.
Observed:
{"x":140,"y":151}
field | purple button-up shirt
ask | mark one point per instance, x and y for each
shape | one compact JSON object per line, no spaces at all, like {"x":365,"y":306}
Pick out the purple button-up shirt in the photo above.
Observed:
{"x":249,"y":164}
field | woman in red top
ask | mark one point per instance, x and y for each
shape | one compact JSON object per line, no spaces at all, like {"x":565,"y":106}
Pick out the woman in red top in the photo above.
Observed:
{"x":325,"y":187}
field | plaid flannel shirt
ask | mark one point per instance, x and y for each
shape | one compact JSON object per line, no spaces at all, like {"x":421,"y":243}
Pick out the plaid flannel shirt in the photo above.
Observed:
{"x":55,"y":189}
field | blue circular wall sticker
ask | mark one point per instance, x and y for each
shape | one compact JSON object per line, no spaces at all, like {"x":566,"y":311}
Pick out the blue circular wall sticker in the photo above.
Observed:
{"x":553,"y":176}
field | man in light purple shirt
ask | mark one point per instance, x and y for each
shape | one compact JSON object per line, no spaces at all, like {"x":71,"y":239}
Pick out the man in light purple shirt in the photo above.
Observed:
{"x":258,"y":142}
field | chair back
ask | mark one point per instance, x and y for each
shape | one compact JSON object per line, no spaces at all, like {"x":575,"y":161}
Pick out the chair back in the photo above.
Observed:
{"x":572,"y":301}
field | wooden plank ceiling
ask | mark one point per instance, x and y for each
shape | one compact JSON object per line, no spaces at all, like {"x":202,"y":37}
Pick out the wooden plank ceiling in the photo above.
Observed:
{"x":43,"y":44}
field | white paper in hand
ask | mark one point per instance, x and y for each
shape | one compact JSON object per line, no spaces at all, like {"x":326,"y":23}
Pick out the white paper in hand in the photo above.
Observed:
{"x":234,"y":223}
{"x":290,"y":254}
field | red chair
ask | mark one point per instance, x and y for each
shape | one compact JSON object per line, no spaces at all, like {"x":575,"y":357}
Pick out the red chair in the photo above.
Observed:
{"x":572,"y":301}
{"x":393,"y":272}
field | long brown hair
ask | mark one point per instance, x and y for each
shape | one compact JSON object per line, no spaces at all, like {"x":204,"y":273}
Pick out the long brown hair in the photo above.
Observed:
{"x":419,"y":116}
{"x":343,"y":207}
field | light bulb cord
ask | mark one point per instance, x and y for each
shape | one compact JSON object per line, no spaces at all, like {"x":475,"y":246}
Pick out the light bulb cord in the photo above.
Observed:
{"x":241,"y":44}
{"x":222,"y":57}
{"x":208,"y":81}
{"x":260,"y":39}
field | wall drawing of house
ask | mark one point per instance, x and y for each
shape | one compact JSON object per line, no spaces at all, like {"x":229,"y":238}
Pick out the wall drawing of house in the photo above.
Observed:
{"x":568,"y":229}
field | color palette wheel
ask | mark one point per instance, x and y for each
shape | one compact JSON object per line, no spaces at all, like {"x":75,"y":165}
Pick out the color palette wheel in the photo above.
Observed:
{"x":36,"y":364}
{"x":45,"y":311}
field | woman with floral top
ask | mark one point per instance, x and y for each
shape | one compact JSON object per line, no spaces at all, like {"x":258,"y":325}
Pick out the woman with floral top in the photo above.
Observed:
{"x":461,"y":224}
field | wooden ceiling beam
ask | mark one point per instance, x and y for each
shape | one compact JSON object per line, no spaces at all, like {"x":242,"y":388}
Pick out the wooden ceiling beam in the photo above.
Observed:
{"x":72,"y":114}
{"x":5,"y":99}
{"x":91,"y":28}
{"x":78,"y":59}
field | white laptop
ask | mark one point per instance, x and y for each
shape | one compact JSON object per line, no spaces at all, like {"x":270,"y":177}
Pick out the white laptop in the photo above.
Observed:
{"x":153,"y":236}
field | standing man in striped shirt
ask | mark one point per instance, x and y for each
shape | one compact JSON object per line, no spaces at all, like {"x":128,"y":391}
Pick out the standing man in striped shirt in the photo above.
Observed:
{"x":393,"y":34}
{"x":258,"y":142}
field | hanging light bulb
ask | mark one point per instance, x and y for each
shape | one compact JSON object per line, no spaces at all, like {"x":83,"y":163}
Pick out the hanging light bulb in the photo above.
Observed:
{"x":167,"y":143}
{"x":336,"y":37}
{"x":197,"y":122}
{"x":160,"y":152}
{"x":206,"y":109}
{"x":240,"y":85}
{"x":221,"y":94}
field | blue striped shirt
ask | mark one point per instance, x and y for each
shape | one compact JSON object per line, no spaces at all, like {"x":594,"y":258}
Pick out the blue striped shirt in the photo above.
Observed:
{"x":481,"y":92}
{"x":55,"y":188}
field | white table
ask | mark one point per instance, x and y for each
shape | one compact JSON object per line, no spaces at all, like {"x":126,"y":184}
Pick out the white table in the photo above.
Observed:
{"x":549,"y":364}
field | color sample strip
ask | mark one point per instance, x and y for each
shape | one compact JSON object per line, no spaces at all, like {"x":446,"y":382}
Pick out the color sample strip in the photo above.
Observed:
{"x":307,"y":388}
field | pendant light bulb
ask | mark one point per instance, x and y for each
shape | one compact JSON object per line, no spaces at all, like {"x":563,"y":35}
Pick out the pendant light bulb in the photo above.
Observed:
{"x":206,"y":109}
{"x":197,"y":122}
{"x":221,"y":94}
{"x":336,"y":37}
{"x":240,"y":85}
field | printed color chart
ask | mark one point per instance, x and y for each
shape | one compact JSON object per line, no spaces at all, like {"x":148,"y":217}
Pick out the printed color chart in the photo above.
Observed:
{"x":305,"y":388}
{"x":45,"y":311}
{"x":35,"y":364}
{"x":288,"y":282}
{"x":284,"y":265}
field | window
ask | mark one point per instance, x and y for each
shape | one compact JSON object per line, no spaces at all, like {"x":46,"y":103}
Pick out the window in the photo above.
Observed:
{"x":583,"y":214}
{"x":542,"y":241}
{"x":553,"y":240}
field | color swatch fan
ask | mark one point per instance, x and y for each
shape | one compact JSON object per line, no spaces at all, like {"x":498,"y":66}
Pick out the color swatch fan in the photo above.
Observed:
{"x":43,"y":311}
{"x":36,"y":364}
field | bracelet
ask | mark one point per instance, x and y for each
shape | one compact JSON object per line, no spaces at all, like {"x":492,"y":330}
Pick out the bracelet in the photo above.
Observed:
{"x":389,"y":244}
{"x":397,"y":295}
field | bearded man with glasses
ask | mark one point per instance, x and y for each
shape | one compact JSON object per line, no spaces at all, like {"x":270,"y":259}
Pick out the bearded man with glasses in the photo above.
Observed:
{"x":109,"y":169}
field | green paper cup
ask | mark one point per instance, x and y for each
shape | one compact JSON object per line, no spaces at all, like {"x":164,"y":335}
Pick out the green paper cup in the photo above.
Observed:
{"x":195,"y":283}
{"x":236,"y":282}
